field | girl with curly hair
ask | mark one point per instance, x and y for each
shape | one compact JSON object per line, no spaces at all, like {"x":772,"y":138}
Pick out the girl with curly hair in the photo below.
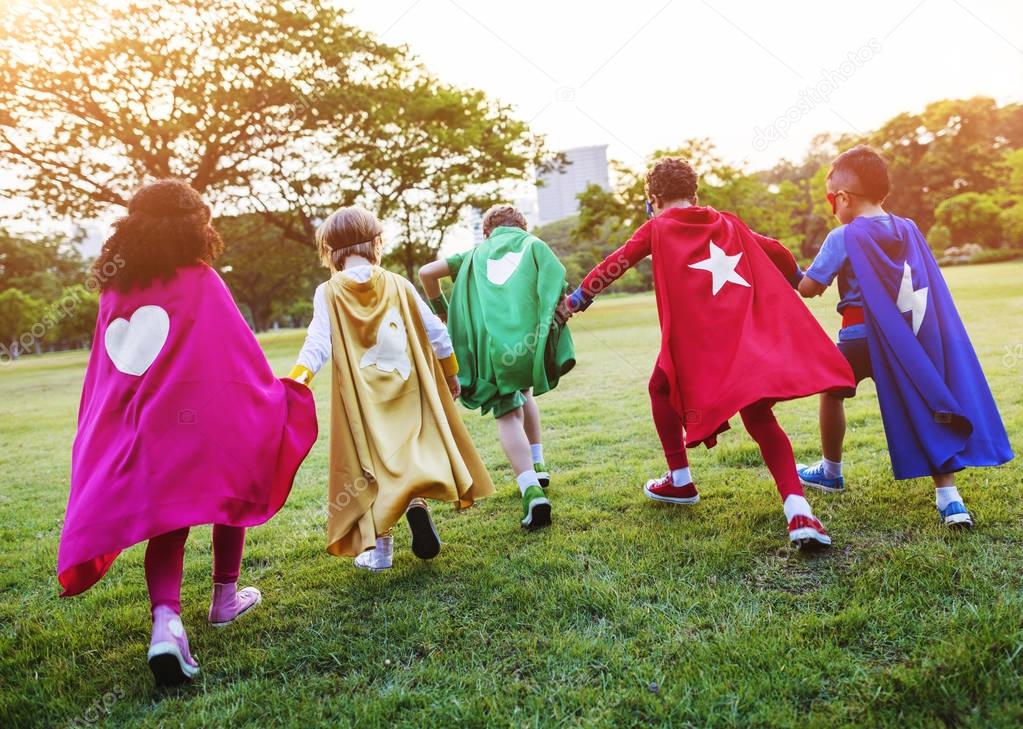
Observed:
{"x":181,"y":422}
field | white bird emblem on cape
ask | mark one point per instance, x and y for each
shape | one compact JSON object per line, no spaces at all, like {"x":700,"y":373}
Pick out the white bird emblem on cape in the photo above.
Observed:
{"x":499,"y":270}
{"x":390,"y":354}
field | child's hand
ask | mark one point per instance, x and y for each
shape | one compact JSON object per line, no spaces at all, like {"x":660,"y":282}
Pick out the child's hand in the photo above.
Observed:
{"x":564,"y":311}
{"x":301,"y":375}
{"x":576,"y":301}
{"x":454,"y":386}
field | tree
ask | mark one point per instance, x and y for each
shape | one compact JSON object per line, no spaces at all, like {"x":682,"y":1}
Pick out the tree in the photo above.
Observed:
{"x":453,"y":149}
{"x":40,"y":268}
{"x":98,"y":98}
{"x":279,"y":108}
{"x":266,"y":272}
{"x":20,"y":324}
{"x":802,"y":187}
{"x":75,"y":313}
{"x":607,"y":218}
{"x":1011,"y":222}
{"x":971,"y":218}
{"x":939,"y":237}
{"x":953,"y":146}
{"x":1010,"y":172}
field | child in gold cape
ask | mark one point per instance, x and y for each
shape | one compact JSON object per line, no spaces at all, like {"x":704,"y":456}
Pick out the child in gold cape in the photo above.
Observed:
{"x":396,"y":437}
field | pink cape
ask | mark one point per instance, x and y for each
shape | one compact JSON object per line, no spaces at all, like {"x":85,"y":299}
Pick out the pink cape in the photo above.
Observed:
{"x":196,"y":430}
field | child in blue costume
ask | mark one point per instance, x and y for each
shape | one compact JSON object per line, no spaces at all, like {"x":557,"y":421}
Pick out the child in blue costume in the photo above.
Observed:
{"x":900,"y":327}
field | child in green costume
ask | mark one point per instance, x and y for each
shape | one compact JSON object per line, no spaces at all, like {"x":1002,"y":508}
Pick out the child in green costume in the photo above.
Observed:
{"x":508,"y":337}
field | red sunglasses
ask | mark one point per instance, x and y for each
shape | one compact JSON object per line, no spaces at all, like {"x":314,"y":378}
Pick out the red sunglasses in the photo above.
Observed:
{"x":833,"y":196}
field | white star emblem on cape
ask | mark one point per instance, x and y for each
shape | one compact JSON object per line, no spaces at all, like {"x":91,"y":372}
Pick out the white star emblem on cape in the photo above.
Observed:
{"x":910,"y":300}
{"x":721,"y":267}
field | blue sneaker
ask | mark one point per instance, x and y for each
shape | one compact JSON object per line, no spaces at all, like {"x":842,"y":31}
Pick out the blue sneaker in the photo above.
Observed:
{"x":813,"y":477}
{"x":955,"y":516}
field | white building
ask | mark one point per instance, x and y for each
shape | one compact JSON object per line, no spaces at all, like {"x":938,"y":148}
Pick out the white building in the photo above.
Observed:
{"x":557,"y":196}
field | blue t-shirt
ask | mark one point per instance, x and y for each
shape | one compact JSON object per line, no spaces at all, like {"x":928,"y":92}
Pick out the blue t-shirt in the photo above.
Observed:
{"x":832,"y":260}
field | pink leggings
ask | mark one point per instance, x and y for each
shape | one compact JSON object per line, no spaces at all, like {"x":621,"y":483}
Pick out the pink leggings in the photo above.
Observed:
{"x":760,"y":424}
{"x":165,"y":557}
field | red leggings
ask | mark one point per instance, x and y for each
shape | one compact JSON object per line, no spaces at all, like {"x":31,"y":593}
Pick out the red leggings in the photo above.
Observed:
{"x":165,"y":558}
{"x":760,"y":424}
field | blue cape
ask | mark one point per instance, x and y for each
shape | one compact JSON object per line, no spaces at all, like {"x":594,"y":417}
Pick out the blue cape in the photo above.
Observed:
{"x":938,"y":412}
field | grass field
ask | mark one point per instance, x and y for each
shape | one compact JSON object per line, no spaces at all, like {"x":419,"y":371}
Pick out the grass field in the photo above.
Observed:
{"x":625,"y":612}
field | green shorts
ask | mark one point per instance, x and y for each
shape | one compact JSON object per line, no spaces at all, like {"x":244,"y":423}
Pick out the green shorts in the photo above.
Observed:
{"x":501,"y":405}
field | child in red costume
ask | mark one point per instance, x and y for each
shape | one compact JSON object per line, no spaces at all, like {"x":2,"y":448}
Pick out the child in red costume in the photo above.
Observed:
{"x":735,"y":338}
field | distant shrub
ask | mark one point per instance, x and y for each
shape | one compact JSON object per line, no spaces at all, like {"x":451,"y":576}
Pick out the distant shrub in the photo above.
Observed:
{"x":1011,"y":220}
{"x":994,"y":255}
{"x":939,"y":237}
{"x":970,"y":216}
{"x":973,"y":253}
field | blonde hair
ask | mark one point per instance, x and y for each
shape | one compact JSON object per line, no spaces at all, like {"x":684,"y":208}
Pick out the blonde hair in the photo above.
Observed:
{"x":503,"y":215}
{"x":352,"y":231}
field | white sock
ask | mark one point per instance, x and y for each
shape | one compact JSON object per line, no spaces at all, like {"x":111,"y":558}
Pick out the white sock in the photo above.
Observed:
{"x":681,"y":477}
{"x":945,"y":495}
{"x":527,"y":479}
{"x":537,"y":450}
{"x":832,"y":469}
{"x":796,"y":506}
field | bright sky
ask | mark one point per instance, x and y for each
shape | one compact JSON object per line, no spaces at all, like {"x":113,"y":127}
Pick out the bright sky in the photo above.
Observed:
{"x":647,"y":74}
{"x":759,"y":78}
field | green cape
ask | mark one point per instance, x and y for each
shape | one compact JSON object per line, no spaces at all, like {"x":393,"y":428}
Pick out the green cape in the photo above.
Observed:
{"x":501,"y":318}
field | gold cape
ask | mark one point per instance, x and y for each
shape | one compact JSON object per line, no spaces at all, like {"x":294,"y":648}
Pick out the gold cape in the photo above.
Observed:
{"x":395,"y":431}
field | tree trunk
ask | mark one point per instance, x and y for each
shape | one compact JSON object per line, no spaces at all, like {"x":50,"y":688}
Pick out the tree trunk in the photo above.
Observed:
{"x":260,"y":317}
{"x":409,"y":261}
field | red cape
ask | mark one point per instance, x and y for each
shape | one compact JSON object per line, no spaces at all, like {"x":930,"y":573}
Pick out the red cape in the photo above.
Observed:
{"x":741,"y":345}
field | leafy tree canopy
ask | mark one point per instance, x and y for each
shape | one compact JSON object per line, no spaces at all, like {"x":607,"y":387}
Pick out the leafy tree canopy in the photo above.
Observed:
{"x":283,"y":109}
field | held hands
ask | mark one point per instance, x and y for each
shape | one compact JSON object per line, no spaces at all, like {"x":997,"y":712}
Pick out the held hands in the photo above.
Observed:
{"x":564,"y":311}
{"x":572,"y":304}
{"x":454,"y":386}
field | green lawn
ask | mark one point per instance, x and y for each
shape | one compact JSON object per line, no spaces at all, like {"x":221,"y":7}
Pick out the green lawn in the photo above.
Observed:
{"x":625,"y":612}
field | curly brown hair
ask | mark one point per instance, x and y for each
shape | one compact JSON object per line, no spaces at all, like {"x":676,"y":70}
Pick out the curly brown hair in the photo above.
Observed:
{"x":503,"y":215}
{"x":671,"y":179}
{"x":167,"y":227}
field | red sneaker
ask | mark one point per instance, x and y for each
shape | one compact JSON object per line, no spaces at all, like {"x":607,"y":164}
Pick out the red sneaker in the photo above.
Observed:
{"x":806,"y":532}
{"x":664,"y":490}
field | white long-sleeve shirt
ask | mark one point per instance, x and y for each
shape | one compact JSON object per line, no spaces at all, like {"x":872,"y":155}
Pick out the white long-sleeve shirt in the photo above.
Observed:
{"x":317,"y":349}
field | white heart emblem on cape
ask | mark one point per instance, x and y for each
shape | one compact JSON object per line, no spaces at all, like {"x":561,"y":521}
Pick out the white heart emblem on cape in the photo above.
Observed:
{"x":134,"y":345}
{"x":499,"y":270}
